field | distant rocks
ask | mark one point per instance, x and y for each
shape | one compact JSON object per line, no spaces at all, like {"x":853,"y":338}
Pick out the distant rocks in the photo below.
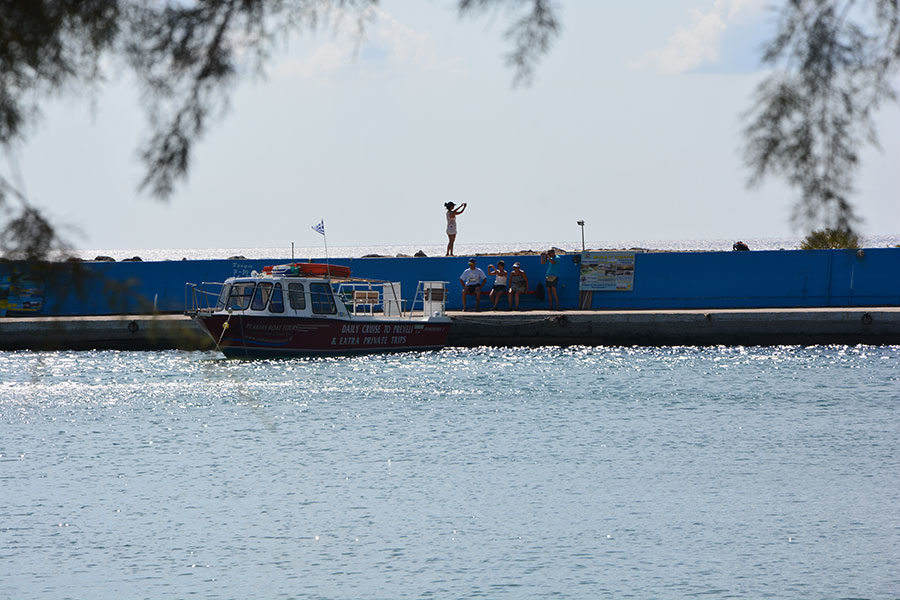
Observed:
{"x":420,"y":254}
{"x":103,"y":258}
{"x":237,"y":257}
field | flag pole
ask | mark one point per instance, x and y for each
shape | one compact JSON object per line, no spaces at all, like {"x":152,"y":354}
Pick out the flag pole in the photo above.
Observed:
{"x":325,"y":239}
{"x":320,"y":228}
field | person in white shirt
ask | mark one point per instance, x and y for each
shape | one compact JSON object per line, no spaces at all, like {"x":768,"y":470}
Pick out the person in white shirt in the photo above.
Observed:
{"x":471,"y":280}
{"x":500,"y":288}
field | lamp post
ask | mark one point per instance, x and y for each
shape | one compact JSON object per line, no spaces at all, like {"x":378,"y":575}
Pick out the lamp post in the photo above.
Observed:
{"x":581,"y":224}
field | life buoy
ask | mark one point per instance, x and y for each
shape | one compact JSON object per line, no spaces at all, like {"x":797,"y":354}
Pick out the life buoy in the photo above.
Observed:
{"x":562,"y":320}
{"x":867,"y":319}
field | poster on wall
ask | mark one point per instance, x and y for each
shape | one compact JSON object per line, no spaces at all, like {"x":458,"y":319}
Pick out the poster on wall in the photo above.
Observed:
{"x":607,"y":272}
{"x":20,"y":295}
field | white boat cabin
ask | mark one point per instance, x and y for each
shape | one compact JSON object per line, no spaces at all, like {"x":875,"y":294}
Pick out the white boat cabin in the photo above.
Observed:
{"x":323,"y":298}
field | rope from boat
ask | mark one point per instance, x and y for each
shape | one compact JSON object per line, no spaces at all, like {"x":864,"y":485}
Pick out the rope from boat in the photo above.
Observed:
{"x":225,"y":327}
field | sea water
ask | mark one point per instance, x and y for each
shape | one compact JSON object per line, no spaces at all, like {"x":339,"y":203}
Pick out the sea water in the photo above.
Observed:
{"x":463,"y":248}
{"x":580,"y":472}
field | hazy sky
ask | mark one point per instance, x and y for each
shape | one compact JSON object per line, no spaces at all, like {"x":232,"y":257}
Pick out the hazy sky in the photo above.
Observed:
{"x":632,"y":124}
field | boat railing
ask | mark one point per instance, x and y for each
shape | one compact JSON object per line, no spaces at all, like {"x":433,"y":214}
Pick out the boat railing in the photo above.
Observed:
{"x":198,"y":298}
{"x":367,"y":297}
{"x":370,"y":296}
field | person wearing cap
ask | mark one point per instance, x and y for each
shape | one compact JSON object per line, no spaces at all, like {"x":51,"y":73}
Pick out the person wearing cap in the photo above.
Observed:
{"x":452,"y":211}
{"x":471,"y":280}
{"x":500,"y":288}
{"x":552,"y":277}
{"x":518,"y":284}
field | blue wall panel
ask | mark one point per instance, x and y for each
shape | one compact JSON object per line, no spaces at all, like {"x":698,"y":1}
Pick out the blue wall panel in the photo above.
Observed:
{"x":662,"y":280}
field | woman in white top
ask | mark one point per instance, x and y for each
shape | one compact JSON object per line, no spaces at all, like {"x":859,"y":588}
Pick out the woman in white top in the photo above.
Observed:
{"x":500,"y":287}
{"x":452,"y":211}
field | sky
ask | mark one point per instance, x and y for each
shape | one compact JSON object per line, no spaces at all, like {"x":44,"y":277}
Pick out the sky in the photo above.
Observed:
{"x":632,"y":124}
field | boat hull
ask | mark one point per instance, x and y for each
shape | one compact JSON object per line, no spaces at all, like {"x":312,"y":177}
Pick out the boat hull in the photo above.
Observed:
{"x":254,"y":336}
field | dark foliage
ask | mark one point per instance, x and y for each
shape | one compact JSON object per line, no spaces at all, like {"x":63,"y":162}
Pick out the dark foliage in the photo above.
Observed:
{"x":833,"y":61}
{"x":186,"y":55}
{"x":830,"y":238}
{"x":832,"y":65}
{"x":532,"y":31}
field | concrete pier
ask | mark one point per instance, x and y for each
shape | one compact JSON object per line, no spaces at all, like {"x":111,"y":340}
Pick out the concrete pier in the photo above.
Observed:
{"x":124,"y":332}
{"x":876,"y":325}
{"x":749,"y":327}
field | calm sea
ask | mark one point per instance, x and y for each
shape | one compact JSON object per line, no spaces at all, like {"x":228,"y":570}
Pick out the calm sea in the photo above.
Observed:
{"x":463,"y":249}
{"x":720,"y":472}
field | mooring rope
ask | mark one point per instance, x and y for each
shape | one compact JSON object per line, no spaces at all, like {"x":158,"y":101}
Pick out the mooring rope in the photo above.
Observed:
{"x":225,"y":327}
{"x":505,"y":321}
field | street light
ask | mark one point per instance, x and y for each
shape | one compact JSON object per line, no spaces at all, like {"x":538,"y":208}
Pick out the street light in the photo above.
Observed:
{"x":581,"y":223}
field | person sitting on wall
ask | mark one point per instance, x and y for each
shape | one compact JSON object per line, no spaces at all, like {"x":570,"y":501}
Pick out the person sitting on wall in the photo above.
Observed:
{"x":472,"y":279}
{"x":518,"y":284}
{"x":500,"y":288}
{"x":740,"y":246}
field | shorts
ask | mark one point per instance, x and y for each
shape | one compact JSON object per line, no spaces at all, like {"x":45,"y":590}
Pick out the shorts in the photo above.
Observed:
{"x":519,"y":287}
{"x":471,"y":289}
{"x":499,"y":289}
{"x":551,"y":280}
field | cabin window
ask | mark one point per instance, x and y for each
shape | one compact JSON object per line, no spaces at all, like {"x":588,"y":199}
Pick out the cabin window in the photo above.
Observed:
{"x":322,"y":297}
{"x":261,"y":297}
{"x":223,"y":296}
{"x":276,"y":304}
{"x":297,"y":296}
{"x":239,"y":298}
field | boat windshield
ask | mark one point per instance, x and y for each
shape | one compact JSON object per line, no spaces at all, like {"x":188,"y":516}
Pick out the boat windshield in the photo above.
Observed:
{"x":276,"y":304}
{"x":223,"y":296}
{"x":239,"y":298}
{"x":261,"y":297}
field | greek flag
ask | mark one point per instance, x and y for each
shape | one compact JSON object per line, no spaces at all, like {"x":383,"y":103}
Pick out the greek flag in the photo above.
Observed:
{"x":320,"y":227}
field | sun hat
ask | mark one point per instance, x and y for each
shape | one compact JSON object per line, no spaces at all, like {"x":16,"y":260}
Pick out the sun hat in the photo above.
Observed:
{"x":515,"y":264}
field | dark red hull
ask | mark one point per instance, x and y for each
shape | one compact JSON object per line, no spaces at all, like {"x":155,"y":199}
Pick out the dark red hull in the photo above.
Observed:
{"x":251,"y":336}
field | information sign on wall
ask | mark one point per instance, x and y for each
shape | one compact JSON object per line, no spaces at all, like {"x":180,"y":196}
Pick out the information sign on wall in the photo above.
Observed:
{"x":18,"y":294}
{"x":607,"y":272}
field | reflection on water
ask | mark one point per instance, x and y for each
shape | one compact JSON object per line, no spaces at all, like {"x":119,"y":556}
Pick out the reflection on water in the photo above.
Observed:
{"x":463,"y":249}
{"x":578,"y":472}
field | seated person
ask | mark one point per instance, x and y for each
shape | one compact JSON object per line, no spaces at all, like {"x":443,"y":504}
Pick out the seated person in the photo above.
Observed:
{"x":500,"y":287}
{"x":518,"y":284}
{"x":472,"y":279}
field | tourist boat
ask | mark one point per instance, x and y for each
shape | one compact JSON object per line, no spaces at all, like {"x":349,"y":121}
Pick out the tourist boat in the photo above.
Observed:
{"x":304,"y":309}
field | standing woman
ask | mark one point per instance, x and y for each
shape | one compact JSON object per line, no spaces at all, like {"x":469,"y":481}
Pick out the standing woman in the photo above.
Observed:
{"x":452,"y":211}
{"x":552,"y":261}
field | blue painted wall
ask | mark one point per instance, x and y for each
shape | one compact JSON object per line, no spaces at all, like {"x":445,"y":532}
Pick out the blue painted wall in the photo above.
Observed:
{"x":662,"y":280}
